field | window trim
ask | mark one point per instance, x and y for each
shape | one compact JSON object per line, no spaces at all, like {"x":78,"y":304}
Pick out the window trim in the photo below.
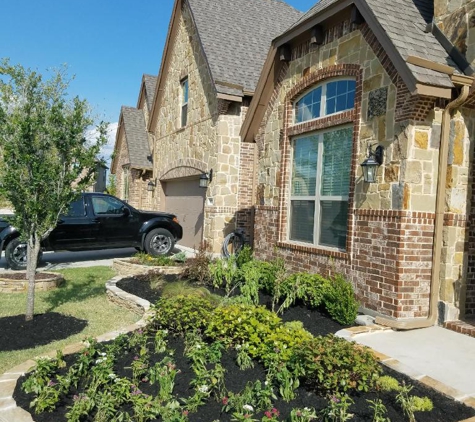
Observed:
{"x":126,"y":184}
{"x":317,"y":198}
{"x":184,"y":105}
{"x":323,"y":104}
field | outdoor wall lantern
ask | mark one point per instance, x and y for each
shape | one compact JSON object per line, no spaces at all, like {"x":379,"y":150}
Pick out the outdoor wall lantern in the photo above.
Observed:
{"x":151,"y":186}
{"x":206,"y":179}
{"x":371,"y":164}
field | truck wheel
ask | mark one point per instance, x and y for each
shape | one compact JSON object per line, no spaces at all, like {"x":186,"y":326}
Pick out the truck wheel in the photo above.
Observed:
{"x":15,"y":255}
{"x":159,"y":242}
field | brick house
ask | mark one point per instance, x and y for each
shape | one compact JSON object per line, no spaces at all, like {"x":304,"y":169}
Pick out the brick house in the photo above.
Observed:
{"x":210,"y":67}
{"x":132,"y":158}
{"x":345,"y":77}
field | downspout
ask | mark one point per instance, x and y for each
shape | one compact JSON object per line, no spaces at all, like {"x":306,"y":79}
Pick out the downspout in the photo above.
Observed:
{"x":430,"y":320}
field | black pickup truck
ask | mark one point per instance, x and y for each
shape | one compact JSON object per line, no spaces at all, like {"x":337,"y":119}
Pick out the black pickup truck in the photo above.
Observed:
{"x":99,"y":221}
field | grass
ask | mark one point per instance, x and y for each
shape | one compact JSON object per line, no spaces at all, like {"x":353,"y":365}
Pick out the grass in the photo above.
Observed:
{"x":83,"y":295}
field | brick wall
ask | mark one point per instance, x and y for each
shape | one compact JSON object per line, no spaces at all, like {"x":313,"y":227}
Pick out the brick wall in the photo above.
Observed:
{"x":390,"y":262}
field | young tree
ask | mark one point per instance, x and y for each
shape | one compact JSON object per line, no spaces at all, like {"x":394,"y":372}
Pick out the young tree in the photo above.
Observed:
{"x":45,"y":153}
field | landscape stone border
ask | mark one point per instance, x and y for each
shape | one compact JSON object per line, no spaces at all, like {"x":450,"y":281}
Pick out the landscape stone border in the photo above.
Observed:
{"x":12,"y":285}
{"x":123,"y":266}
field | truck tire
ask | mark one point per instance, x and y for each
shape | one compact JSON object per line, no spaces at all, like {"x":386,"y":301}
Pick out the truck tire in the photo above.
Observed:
{"x":15,"y":254}
{"x":159,"y":242}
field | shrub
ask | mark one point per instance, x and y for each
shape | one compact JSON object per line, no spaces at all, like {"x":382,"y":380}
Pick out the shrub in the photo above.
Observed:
{"x":244,"y":256}
{"x":224,"y":273}
{"x":340,"y":301}
{"x":265,"y":272}
{"x":310,"y":288}
{"x":197,"y":268}
{"x":335,"y":365}
{"x":180,"y":314}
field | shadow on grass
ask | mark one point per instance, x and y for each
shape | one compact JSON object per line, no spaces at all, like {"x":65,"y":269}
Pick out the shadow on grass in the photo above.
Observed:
{"x":74,"y":291}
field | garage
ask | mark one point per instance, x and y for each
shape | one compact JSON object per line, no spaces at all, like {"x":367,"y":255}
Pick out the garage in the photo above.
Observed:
{"x":186,"y":200}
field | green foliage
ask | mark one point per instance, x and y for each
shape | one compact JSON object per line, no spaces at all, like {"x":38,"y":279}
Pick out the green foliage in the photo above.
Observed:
{"x":338,"y":409}
{"x":244,"y":256}
{"x":197,"y":268}
{"x":224,"y":273}
{"x":379,"y":410}
{"x":309,"y":288}
{"x":143,"y":258}
{"x":264,"y":272}
{"x":179,"y":314}
{"x":411,"y":404}
{"x":340,"y":301}
{"x":47,"y":158}
{"x":336,"y":365}
{"x":303,"y":415}
{"x":387,"y":383}
{"x":111,"y":187}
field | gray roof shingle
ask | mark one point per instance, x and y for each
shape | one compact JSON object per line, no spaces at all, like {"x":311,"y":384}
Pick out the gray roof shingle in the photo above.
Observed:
{"x":236,"y":36}
{"x":404,"y":22}
{"x":136,"y":138}
{"x":150,"y":84}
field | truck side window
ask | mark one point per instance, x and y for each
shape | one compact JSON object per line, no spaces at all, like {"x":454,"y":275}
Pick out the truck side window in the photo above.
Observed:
{"x":76,"y":209}
{"x":106,"y":205}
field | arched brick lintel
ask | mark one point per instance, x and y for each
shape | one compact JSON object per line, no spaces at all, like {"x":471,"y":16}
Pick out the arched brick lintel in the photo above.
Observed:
{"x":184,"y":167}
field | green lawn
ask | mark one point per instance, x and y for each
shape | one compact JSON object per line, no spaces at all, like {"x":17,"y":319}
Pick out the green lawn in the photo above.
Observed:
{"x":83,"y":296}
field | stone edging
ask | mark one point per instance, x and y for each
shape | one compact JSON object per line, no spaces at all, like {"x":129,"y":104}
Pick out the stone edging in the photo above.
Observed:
{"x":11,"y":285}
{"x":8,"y":409}
{"x":350,"y":333}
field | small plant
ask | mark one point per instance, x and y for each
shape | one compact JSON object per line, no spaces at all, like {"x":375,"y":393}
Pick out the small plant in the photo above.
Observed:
{"x":243,"y":358}
{"x":244,"y":256}
{"x":387,"y":383}
{"x":163,"y":373}
{"x":338,"y":409}
{"x":271,"y":415}
{"x":143,"y":258}
{"x":379,"y":410}
{"x":179,"y":257}
{"x":340,"y":301}
{"x":224,"y":273}
{"x":411,"y":404}
{"x":307,"y":414}
{"x":197,"y":268}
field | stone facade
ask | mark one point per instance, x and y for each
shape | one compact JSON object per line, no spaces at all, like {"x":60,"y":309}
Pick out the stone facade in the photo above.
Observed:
{"x":210,"y":139}
{"x":388,"y":254}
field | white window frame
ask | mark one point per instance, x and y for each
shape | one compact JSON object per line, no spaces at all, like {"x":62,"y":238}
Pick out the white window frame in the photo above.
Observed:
{"x":323,"y":103}
{"x":184,"y":102}
{"x":318,"y":197}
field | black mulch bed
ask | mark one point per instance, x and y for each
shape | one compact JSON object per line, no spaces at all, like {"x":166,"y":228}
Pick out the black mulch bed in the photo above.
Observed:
{"x":445,"y":409}
{"x":18,"y":334}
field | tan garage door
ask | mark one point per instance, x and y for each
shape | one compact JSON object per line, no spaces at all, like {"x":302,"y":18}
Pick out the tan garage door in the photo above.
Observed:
{"x":186,"y":199}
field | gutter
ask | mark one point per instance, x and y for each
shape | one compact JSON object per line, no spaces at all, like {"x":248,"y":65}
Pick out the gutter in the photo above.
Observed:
{"x":430,"y":320}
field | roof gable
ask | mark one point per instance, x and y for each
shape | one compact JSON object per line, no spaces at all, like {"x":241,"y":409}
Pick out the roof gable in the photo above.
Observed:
{"x":136,"y":138}
{"x":150,"y":83}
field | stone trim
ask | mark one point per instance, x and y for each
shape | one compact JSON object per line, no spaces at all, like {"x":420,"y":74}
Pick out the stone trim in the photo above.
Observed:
{"x":220,"y":210}
{"x":290,"y":129}
{"x":311,"y":249}
{"x":184,"y":167}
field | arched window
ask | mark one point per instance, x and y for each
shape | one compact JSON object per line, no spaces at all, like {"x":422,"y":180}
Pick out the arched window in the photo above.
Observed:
{"x":328,"y":98}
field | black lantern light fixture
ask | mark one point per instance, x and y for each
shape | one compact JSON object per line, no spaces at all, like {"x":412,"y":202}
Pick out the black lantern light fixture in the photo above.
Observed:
{"x":206,"y":179}
{"x":371,"y":164}
{"x":151,"y":186}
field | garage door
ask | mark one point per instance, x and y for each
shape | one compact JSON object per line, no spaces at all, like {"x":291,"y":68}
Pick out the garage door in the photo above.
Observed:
{"x":186,"y":199}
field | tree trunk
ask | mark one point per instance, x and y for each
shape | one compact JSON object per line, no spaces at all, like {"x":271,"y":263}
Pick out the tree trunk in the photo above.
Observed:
{"x":33,"y":249}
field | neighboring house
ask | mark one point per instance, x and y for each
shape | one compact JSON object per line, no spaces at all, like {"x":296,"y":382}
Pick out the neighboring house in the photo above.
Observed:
{"x":210,"y":67}
{"x":132,"y":163}
{"x":348,"y":76}
{"x":99,"y":178}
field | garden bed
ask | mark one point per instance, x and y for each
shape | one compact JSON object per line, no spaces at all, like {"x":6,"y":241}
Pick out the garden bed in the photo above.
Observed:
{"x":235,"y":379}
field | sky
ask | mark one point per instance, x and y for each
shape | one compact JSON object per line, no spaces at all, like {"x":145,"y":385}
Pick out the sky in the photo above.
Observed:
{"x":107,"y":45}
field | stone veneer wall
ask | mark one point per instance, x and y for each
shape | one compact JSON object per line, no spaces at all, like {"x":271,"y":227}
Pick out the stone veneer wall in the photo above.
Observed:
{"x":211,"y":136}
{"x":457,"y":20}
{"x":390,"y":231}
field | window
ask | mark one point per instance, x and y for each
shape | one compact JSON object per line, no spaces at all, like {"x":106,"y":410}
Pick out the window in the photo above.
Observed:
{"x":184,"y":101}
{"x":76,"y":209}
{"x":320,"y":187}
{"x":107,"y":205}
{"x":328,"y":98}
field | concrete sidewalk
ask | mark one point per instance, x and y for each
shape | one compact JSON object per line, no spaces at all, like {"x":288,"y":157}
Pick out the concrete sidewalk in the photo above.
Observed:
{"x":439,"y":358}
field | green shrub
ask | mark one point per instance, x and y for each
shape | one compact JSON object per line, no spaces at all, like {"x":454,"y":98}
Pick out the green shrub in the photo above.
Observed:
{"x":266,"y":272}
{"x":333,"y":364}
{"x":244,"y":256}
{"x":224,"y":273}
{"x":340,"y":301}
{"x":180,"y":314}
{"x":239,"y":323}
{"x":310,"y":288}
{"x":143,"y":258}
